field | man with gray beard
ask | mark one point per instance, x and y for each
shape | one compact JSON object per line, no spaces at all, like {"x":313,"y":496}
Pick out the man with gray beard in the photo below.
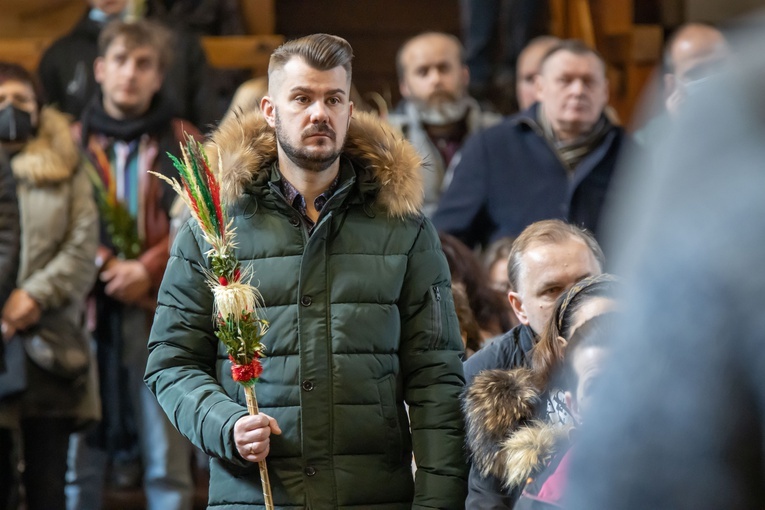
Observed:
{"x":437,"y":115}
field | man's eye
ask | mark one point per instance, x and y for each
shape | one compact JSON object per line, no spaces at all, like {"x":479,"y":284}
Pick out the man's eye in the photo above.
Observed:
{"x":333,"y":101}
{"x":301,"y":99}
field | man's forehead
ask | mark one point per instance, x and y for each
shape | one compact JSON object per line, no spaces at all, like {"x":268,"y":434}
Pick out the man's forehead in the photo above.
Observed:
{"x":120,"y":46}
{"x":546,"y":260}
{"x":297,"y":73}
{"x":430,"y":47}
{"x":564,"y":61}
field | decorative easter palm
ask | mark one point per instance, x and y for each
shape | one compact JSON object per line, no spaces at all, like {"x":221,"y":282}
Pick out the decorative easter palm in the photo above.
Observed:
{"x":236,"y":301}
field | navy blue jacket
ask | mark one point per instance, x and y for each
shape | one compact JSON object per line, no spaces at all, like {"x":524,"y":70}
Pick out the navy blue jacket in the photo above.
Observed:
{"x":509,"y":177}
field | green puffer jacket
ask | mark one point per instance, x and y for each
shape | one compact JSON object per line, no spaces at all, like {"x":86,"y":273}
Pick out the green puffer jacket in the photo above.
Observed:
{"x":362,"y":320}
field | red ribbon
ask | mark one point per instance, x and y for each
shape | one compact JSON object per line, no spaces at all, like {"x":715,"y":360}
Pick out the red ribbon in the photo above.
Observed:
{"x":245,"y":373}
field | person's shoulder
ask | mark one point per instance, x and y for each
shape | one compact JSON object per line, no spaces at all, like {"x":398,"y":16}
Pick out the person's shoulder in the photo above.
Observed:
{"x":501,"y":352}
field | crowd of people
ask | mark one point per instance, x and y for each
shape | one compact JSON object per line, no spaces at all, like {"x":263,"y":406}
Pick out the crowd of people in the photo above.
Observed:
{"x":440,"y":315}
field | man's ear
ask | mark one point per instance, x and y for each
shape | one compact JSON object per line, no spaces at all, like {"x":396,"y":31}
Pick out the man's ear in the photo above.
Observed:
{"x":99,"y":68}
{"x":563,"y":342}
{"x":269,"y":110}
{"x":516,"y":302}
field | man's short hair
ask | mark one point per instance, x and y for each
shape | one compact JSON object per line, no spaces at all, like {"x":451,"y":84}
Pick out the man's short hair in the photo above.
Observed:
{"x":320,"y":51}
{"x":576,"y":47}
{"x":136,"y":34}
{"x":400,"y":53}
{"x":548,"y":232}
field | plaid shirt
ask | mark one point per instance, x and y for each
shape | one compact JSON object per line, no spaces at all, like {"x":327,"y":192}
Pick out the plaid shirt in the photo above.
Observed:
{"x":296,"y":200}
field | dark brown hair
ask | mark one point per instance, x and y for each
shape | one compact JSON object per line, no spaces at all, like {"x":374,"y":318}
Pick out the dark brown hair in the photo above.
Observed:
{"x":548,"y":352}
{"x":468,"y":325}
{"x":137,"y":34}
{"x":320,"y":51}
{"x":14,"y":72}
{"x":548,"y":231}
{"x":491,"y":309}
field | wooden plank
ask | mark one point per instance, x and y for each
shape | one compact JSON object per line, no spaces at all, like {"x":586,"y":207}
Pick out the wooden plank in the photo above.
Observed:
{"x":344,"y":17}
{"x":25,"y":51}
{"x":259,"y":16}
{"x":241,"y":52}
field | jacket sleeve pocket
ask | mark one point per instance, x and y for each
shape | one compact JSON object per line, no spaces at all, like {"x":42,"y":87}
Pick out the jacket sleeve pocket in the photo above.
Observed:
{"x":443,"y":316}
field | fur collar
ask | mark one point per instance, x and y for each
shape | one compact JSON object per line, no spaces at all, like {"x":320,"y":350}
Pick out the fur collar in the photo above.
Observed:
{"x":502,"y":439}
{"x":248,"y":147}
{"x":50,"y":157}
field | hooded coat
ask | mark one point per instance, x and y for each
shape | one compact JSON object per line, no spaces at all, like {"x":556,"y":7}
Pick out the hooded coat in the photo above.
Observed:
{"x":361,"y":320}
{"x":507,"y":437}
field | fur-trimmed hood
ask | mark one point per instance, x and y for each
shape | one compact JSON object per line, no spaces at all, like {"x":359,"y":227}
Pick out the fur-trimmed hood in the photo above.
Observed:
{"x":50,"y":157}
{"x":503,"y":438}
{"x":248,"y":147}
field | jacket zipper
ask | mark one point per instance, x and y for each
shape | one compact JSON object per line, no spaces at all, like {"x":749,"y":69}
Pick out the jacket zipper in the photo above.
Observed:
{"x":437,"y":322}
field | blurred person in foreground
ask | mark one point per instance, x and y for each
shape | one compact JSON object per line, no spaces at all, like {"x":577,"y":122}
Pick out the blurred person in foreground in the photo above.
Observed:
{"x":546,"y":260}
{"x":326,"y":206}
{"x":438,"y":114}
{"x":678,"y":421}
{"x":126,"y":130}
{"x":554,"y":160}
{"x":59,"y":237}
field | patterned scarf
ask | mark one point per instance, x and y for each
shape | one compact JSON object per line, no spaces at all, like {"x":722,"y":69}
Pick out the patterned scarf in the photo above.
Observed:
{"x":572,"y":152}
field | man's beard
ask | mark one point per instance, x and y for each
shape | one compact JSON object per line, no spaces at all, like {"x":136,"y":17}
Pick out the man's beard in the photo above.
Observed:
{"x":442,"y":108}
{"x":301,"y":156}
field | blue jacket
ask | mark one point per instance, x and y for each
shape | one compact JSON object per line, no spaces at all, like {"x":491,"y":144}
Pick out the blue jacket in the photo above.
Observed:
{"x":509,"y":177}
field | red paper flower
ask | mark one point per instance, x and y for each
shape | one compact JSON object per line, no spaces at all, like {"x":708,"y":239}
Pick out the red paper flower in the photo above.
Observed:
{"x":245,"y":373}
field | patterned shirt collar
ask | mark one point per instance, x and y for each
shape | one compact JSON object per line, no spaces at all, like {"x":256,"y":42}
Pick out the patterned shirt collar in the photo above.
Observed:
{"x":296,"y":200}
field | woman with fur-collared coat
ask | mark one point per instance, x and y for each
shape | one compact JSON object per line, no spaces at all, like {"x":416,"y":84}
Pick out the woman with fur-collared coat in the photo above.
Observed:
{"x":59,"y":236}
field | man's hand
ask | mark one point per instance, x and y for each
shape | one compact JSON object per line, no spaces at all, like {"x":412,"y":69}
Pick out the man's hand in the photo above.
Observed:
{"x":252,"y":436}
{"x":126,"y":280}
{"x":20,"y":311}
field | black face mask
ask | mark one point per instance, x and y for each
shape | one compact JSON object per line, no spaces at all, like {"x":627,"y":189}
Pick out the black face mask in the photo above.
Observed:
{"x":15,"y":125}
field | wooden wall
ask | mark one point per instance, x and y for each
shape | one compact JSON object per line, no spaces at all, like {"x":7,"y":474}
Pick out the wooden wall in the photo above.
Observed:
{"x":375,"y":29}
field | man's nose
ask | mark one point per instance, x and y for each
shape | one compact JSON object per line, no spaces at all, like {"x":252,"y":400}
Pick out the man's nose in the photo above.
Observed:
{"x":129,"y":68}
{"x":318,"y":112}
{"x":577,"y":86}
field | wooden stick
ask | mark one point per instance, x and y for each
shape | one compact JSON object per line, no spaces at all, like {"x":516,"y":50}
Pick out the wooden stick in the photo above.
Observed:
{"x":252,"y":407}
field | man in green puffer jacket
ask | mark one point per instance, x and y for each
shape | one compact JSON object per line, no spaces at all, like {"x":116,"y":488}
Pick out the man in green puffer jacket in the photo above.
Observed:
{"x":357,"y":292}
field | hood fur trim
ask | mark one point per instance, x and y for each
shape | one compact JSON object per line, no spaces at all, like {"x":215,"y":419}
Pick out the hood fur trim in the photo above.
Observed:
{"x":52,"y":156}
{"x":247,"y":147}
{"x":528,"y":450}
{"x":495,"y":405}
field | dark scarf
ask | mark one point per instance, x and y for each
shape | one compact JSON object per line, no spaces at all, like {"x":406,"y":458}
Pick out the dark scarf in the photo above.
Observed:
{"x":154,"y":121}
{"x":571,"y":153}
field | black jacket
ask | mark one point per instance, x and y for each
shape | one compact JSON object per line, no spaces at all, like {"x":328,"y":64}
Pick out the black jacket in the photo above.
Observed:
{"x":9,"y":236}
{"x":509,"y":177}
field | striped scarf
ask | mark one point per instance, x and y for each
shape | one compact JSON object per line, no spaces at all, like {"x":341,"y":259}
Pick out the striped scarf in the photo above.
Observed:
{"x":572,"y":152}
